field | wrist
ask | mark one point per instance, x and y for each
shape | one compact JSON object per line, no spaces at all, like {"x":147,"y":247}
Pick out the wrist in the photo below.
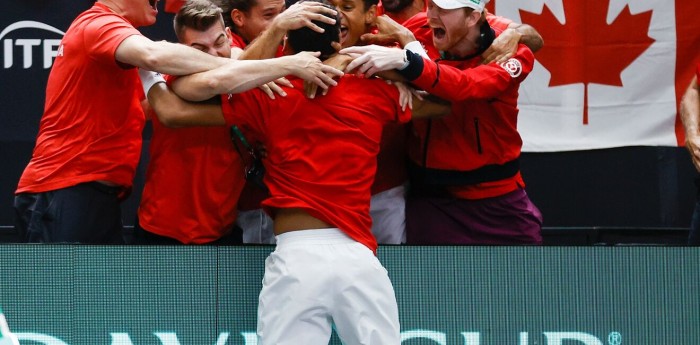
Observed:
{"x":414,"y":68}
{"x":405,"y":37}
{"x":416,"y":47}
{"x":149,"y":79}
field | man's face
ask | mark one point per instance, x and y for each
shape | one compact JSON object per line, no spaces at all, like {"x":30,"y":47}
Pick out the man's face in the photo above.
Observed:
{"x":355,"y":20}
{"x":140,"y":12}
{"x":395,"y":6}
{"x":213,"y":41}
{"x":250,"y":25}
{"x":450,"y":27}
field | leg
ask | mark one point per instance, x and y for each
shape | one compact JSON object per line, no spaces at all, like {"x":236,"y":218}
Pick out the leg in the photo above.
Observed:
{"x":292,"y":308}
{"x":85,"y":213}
{"x":365,"y":311}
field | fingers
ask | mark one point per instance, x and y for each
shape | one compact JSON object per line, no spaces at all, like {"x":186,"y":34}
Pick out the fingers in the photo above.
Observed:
{"x":326,"y":80}
{"x":277,"y":89}
{"x":310,"y":89}
{"x":336,"y":46}
{"x":314,"y":27}
{"x":359,"y":61}
{"x":503,"y":58}
{"x":284,"y":82}
{"x":332,"y":71}
{"x":267,"y":91}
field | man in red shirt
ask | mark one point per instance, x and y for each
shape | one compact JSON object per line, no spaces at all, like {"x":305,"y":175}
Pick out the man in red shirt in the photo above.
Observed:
{"x":257,"y":29}
{"x":319,"y":170}
{"x":194,"y":175}
{"x":466,"y":184}
{"x":359,"y":22}
{"x":89,"y":138}
{"x":690,"y":114}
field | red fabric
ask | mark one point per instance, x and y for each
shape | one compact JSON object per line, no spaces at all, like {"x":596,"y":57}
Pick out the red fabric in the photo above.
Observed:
{"x":252,"y":195}
{"x":237,"y":41}
{"x":321,"y":154}
{"x":391,"y":160}
{"x":92,"y":122}
{"x":193,"y":182}
{"x":173,"y":6}
{"x":697,"y":72}
{"x":484,"y":106}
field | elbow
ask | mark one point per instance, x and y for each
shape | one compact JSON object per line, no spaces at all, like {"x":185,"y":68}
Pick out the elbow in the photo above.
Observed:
{"x":538,"y":44}
{"x":168,"y":118}
{"x":169,"y":122}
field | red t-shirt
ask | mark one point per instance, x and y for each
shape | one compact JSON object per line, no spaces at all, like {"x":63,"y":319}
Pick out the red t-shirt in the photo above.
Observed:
{"x":252,"y":195}
{"x":193,"y":182}
{"x":238,"y":42}
{"x":697,"y":72}
{"x":322,"y":153}
{"x":92,"y":122}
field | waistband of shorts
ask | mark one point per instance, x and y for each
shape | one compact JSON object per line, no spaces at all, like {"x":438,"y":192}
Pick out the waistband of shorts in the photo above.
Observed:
{"x":314,"y":236}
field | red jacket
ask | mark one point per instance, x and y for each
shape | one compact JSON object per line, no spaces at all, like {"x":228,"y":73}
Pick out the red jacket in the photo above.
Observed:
{"x":474,"y":150}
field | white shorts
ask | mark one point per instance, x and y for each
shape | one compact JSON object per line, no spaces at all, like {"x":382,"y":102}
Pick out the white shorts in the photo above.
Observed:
{"x":388,"y":211}
{"x":257,"y":227}
{"x":319,"y":279}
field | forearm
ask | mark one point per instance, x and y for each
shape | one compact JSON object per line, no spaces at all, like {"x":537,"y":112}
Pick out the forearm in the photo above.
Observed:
{"x":172,"y":111}
{"x":234,"y":77}
{"x":690,"y":110}
{"x":430,"y":107}
{"x":165,"y":57}
{"x":528,"y":36}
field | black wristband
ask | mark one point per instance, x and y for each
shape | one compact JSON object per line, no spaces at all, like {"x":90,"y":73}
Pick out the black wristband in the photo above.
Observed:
{"x":414,"y":68}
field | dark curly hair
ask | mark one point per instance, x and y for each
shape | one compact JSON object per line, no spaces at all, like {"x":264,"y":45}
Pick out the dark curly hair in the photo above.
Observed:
{"x":305,"y":39}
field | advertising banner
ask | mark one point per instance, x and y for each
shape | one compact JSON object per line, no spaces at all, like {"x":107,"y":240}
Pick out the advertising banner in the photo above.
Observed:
{"x":91,"y":295}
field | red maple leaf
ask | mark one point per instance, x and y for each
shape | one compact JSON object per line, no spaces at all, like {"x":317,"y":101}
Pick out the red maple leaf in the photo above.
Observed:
{"x":586,"y":49}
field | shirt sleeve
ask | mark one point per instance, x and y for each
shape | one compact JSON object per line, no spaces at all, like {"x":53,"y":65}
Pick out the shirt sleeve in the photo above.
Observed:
{"x":480,"y":82}
{"x":104,"y":34}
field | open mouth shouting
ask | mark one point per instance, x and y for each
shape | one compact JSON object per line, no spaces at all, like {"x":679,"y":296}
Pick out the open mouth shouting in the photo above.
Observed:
{"x":153,"y":3}
{"x":343,"y":33}
{"x":438,"y":33}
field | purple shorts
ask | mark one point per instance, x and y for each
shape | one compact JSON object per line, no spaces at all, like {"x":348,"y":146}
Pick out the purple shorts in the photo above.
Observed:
{"x":508,"y":219}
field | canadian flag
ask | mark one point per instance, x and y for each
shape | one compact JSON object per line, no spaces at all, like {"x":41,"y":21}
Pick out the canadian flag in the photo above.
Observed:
{"x":611,"y":72}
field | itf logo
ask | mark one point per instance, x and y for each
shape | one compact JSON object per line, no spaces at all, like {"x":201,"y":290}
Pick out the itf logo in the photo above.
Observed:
{"x":27,"y":44}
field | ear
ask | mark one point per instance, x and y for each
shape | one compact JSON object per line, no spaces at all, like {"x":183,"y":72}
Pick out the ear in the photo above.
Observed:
{"x":238,"y":17}
{"x":473,"y":18}
{"x":371,"y":15}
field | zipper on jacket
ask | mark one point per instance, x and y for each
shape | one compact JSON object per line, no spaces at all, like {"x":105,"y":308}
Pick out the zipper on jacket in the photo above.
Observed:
{"x":478,"y":135}
{"x":427,"y":140}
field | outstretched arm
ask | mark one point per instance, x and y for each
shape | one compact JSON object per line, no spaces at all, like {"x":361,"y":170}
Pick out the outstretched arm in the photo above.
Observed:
{"x":690,"y":115}
{"x":165,"y":57}
{"x":238,"y":76}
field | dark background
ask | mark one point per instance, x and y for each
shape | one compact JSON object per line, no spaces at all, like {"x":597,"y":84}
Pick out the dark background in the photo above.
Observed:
{"x":619,"y":195}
